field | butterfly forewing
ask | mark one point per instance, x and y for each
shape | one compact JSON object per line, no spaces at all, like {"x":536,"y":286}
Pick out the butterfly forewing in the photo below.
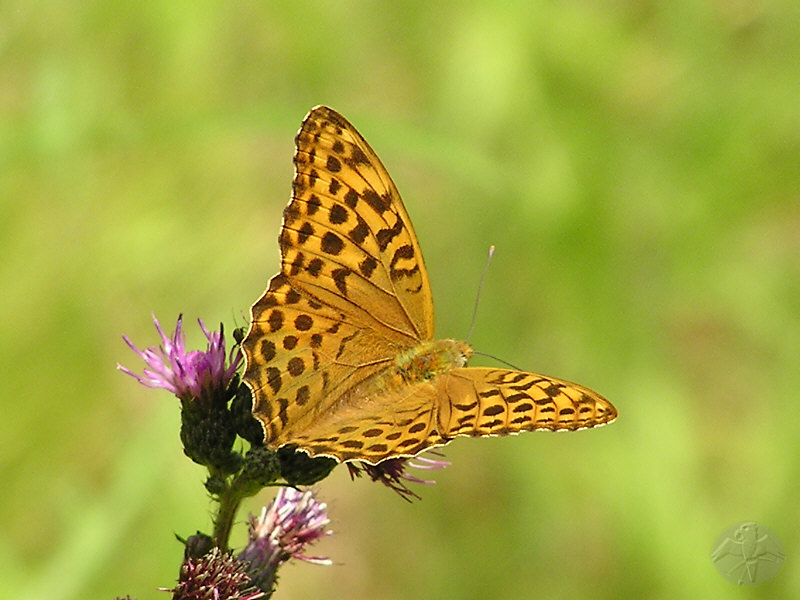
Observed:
{"x":347,"y":238}
{"x":339,"y":355}
{"x":353,"y":291}
{"x":481,"y":401}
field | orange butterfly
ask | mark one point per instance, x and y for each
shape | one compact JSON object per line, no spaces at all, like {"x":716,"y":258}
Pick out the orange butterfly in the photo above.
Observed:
{"x":340,"y":353}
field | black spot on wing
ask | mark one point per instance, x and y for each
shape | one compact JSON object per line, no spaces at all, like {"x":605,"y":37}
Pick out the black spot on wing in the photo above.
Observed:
{"x":333,"y":164}
{"x":338,"y":215}
{"x":331,"y":243}
{"x":385,"y":236}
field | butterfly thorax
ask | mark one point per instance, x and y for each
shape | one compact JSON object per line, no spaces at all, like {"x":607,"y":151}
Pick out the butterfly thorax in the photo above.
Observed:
{"x":429,"y":359}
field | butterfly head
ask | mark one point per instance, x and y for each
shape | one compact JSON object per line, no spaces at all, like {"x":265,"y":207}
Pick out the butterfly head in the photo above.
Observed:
{"x":462,"y":352}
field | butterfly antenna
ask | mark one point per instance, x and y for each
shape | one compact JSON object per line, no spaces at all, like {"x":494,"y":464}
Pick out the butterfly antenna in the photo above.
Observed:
{"x":498,"y":359}
{"x":478,"y":295}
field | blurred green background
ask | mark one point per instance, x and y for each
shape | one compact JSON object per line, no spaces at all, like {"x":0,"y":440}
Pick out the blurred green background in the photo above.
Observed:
{"x":637,"y":165}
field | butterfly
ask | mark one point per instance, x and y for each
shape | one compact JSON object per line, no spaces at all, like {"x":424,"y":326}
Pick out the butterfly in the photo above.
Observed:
{"x":340,"y":354}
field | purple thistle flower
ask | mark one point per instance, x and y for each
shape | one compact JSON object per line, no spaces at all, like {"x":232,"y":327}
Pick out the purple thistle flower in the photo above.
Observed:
{"x":188,"y":375}
{"x":392,"y":472}
{"x":292,"y":521}
{"x":215,"y":576}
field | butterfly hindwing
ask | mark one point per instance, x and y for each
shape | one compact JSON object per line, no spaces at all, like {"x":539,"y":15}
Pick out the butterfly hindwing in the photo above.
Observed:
{"x":399,"y":422}
{"x":301,"y":356}
{"x":469,"y":401}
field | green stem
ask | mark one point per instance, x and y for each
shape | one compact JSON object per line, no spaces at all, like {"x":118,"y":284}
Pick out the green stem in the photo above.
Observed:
{"x":229,"y":503}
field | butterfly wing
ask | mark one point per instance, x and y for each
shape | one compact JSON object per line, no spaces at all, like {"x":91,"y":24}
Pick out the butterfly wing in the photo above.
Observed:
{"x":332,"y":342}
{"x":347,"y":238}
{"x":481,"y":401}
{"x":301,"y":358}
{"x":470,"y":401}
{"x":353,"y":290}
{"x":400,"y":421}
